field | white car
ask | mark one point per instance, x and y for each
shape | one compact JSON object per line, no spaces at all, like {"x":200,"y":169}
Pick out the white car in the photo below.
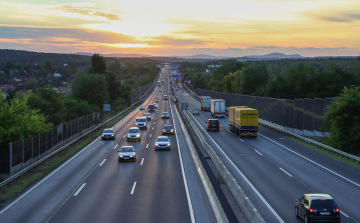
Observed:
{"x":162,"y":142}
{"x":141,"y":122}
{"x":127,"y":153}
{"x":142,"y":107}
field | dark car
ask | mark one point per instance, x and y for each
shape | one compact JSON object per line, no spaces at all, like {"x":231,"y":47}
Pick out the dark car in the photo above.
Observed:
{"x":213,"y":125}
{"x":168,"y":130}
{"x":151,"y":108}
{"x":108,"y":133}
{"x":317,"y":208}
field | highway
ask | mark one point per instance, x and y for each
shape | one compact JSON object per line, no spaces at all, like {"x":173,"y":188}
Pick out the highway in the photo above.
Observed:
{"x":92,"y":186}
{"x":275,"y":171}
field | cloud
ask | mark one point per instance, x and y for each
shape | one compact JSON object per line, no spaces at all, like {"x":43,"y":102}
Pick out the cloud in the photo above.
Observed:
{"x":82,"y":11}
{"x":171,"y":41}
{"x":66,"y":35}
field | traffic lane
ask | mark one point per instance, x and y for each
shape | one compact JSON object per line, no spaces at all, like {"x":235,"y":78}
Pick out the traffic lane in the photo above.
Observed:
{"x":318,"y":179}
{"x":273,"y":154}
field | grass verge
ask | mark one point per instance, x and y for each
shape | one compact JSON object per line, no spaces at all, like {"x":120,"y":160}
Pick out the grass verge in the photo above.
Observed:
{"x":328,"y":153}
{"x":24,"y":181}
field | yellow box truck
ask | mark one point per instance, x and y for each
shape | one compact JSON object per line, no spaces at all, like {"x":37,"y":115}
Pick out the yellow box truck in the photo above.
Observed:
{"x":231,"y":117}
{"x":246,"y":122}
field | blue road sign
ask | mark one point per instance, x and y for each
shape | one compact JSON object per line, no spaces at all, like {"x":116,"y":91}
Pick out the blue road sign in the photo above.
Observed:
{"x":177,"y":76}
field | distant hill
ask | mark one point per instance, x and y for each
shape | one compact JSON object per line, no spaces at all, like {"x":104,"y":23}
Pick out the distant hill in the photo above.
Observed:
{"x":277,"y":56}
{"x":202,"y":56}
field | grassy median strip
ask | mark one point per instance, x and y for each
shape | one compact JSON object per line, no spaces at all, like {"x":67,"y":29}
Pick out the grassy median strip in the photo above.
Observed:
{"x":24,"y":181}
{"x":345,"y":160}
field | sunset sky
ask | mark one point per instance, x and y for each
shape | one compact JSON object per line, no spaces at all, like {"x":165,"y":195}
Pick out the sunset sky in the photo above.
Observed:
{"x":186,"y":27}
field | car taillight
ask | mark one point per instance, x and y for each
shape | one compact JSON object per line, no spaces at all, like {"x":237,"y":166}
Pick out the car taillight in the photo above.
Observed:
{"x":218,"y":125}
{"x":255,"y":133}
{"x":242,"y":133}
{"x":337,"y":210}
{"x":322,"y":199}
{"x":311,"y":210}
{"x":208,"y":125}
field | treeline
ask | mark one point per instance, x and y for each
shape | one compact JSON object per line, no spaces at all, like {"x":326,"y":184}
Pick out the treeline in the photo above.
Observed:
{"x":297,"y":81}
{"x":24,"y":114}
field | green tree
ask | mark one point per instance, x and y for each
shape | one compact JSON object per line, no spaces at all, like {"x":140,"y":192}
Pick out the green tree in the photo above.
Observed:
{"x":342,"y":120}
{"x":114,"y":66}
{"x":77,"y":108}
{"x":254,"y":79}
{"x":18,"y":121}
{"x":49,"y":103}
{"x":114,"y":86}
{"x":91,"y":88}
{"x":98,"y":64}
{"x":219,"y":73}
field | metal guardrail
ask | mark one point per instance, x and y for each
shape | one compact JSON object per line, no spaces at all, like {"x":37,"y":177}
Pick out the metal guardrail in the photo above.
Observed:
{"x":214,"y":200}
{"x":71,"y":142}
{"x":307,"y":140}
{"x":242,"y":200}
{"x":310,"y":141}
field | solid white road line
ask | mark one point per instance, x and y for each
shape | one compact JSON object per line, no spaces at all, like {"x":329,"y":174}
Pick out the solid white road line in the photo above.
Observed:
{"x":124,"y":136}
{"x":285,"y":172}
{"x":154,"y":123}
{"x":78,"y":191}
{"x":241,"y":140}
{"x":133,"y":188}
{"x":150,"y":135}
{"x":242,"y":175}
{"x":312,"y":161}
{"x":102,"y":162}
{"x":229,"y":131}
{"x":152,"y":128}
{"x":147,"y":145}
{"x":142,"y":162}
{"x":183,"y":173}
{"x":115,"y":146}
{"x":258,"y":152}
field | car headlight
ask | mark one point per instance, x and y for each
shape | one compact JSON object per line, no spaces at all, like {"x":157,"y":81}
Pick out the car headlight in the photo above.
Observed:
{"x":172,"y":131}
{"x":131,"y":155}
{"x":120,"y":156}
{"x":112,"y":135}
{"x":168,"y":144}
{"x":103,"y":135}
{"x":137,"y":135}
{"x":164,"y":130}
{"x":156,"y":144}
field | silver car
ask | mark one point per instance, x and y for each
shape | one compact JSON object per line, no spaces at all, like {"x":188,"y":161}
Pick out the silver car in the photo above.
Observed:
{"x":165,"y":115}
{"x":162,"y":142}
{"x":127,"y":153}
{"x":133,"y":134}
{"x":141,"y":122}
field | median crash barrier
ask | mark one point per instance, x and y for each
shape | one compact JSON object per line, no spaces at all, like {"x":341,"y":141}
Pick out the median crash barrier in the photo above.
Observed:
{"x":215,"y":203}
